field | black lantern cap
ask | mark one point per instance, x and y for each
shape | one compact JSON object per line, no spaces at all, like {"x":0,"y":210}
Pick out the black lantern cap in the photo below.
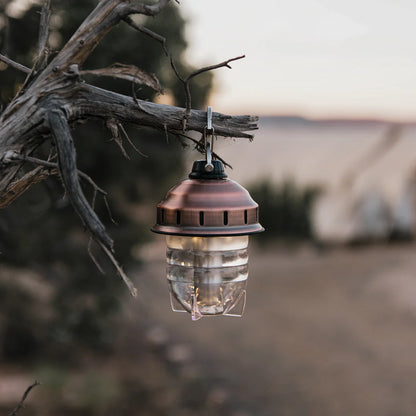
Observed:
{"x":199,"y":170}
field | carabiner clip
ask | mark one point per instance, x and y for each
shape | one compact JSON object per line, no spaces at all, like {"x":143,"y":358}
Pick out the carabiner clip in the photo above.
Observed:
{"x":209,"y":167}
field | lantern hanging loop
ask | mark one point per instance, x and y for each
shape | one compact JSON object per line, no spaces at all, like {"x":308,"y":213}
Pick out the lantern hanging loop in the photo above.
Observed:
{"x":209,"y":118}
{"x":209,"y":145}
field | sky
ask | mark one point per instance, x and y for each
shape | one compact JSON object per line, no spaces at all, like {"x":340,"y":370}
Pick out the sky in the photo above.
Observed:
{"x":313,"y":58}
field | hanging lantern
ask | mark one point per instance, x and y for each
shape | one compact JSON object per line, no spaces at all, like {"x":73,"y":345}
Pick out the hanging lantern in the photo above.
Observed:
{"x":207,"y":219}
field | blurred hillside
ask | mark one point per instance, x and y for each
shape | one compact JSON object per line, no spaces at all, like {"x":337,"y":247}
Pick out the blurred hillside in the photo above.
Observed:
{"x":364,"y":171}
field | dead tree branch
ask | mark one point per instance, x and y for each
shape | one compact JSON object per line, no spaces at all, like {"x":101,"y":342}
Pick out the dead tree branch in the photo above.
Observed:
{"x":14,"y":64}
{"x":55,"y":166}
{"x":56,"y":98}
{"x":187,"y":80}
{"x":43,"y":34}
{"x":128,"y":73}
{"x":184,"y":81}
{"x":21,"y":404}
{"x":69,"y":174}
{"x":158,"y":38}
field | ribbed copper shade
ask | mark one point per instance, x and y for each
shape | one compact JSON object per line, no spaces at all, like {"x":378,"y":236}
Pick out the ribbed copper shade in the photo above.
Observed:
{"x":207,"y":207}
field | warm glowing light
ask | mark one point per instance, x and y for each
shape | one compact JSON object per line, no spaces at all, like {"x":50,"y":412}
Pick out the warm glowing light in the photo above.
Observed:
{"x":207,"y":275}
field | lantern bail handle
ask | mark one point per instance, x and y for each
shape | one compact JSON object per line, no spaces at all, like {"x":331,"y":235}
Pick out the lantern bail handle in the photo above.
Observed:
{"x":209,"y":146}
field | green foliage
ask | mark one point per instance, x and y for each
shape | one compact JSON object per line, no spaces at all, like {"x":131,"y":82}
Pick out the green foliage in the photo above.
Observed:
{"x":40,"y":230}
{"x":284,"y":209}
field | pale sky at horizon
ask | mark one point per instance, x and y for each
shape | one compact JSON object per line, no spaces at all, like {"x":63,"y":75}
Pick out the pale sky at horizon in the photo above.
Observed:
{"x":315,"y":58}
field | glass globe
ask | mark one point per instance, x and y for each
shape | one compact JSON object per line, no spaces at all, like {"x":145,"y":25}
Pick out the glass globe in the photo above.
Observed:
{"x":207,"y":275}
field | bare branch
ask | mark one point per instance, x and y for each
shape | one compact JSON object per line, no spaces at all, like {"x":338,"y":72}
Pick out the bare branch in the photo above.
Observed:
{"x":112,"y":125}
{"x":127,"y":281}
{"x":129,"y":73}
{"x":90,"y":101}
{"x":14,"y":64}
{"x":24,"y":397}
{"x":69,"y":174}
{"x":21,"y":185}
{"x":158,"y":38}
{"x":103,"y":18}
{"x":53,"y":165}
{"x":93,"y":258}
{"x":43,"y":33}
{"x":187,"y":80}
{"x":67,"y":166}
{"x":211,"y":67}
{"x":148,"y":10}
{"x":123,"y":130}
{"x":110,"y":215}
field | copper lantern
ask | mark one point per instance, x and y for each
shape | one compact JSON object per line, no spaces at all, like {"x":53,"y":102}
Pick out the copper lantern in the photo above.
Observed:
{"x":207,"y":219}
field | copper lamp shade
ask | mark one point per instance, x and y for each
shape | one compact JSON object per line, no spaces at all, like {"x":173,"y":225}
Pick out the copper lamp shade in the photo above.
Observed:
{"x":206,"y":205}
{"x":207,"y":220}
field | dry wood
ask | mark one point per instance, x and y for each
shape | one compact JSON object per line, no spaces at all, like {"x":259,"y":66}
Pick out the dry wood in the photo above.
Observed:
{"x":128,"y":73}
{"x":54,"y":96}
{"x":21,"y":404}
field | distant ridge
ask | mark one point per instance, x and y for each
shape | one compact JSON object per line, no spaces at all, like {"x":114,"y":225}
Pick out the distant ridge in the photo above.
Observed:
{"x":293,"y":119}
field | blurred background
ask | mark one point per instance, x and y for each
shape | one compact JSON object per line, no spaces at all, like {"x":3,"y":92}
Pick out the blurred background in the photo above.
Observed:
{"x":331,"y":305}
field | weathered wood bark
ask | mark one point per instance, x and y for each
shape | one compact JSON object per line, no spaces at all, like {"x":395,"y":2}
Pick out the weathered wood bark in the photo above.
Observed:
{"x":55,"y":96}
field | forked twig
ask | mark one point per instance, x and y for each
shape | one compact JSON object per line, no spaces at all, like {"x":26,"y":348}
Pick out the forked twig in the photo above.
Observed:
{"x":184,"y":81}
{"x":187,"y":80}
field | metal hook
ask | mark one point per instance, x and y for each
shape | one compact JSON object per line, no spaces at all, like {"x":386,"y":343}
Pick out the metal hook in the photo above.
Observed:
{"x":209,"y":167}
{"x":209,"y":118}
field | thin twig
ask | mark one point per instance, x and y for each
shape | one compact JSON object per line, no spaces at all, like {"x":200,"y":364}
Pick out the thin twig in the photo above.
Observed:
{"x":199,"y":145}
{"x":123,"y":130}
{"x":81,"y":174}
{"x":109,"y":211}
{"x":211,"y":67}
{"x":14,"y":64}
{"x":184,"y":81}
{"x":158,"y":38}
{"x":93,"y":258}
{"x":127,"y":281}
{"x":22,"y":402}
{"x":147,"y":9}
{"x":53,"y":165}
{"x":165,"y":128}
{"x":113,"y":125}
{"x":198,"y":72}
